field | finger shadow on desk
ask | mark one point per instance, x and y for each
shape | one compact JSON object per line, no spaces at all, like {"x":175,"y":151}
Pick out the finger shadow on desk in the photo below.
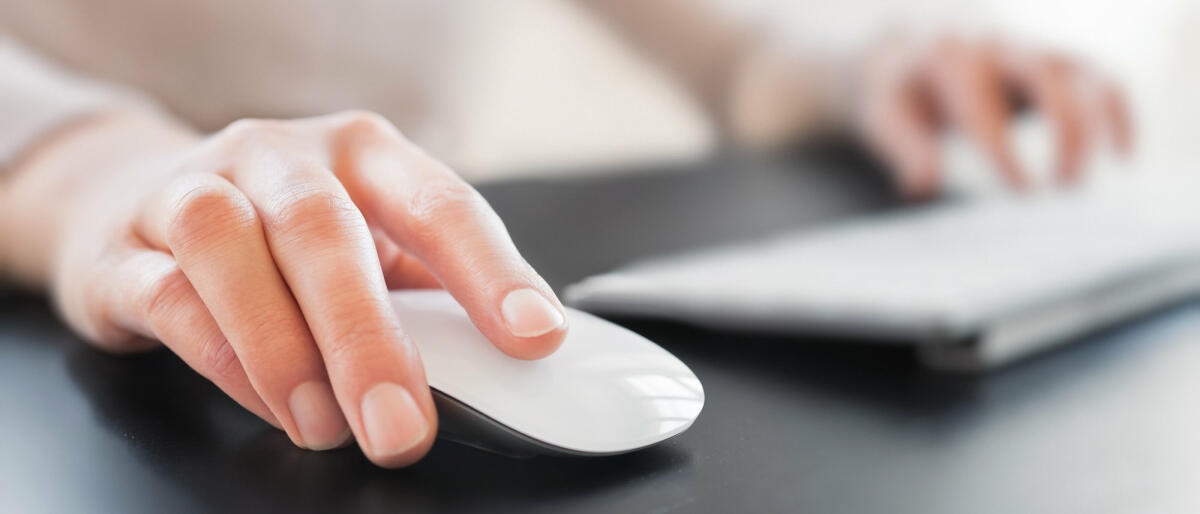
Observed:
{"x":186,"y":430}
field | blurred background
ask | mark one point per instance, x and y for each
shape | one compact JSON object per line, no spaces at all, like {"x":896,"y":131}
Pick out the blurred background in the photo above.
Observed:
{"x":541,"y":86}
{"x":524,"y":97}
{"x":604,"y":104}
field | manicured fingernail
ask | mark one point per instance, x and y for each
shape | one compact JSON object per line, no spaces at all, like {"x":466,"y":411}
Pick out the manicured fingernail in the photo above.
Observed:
{"x":393,"y":422}
{"x":529,"y":314}
{"x":317,"y":415}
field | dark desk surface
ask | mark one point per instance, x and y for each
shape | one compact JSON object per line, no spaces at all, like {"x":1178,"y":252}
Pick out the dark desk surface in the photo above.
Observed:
{"x":1111,"y":424}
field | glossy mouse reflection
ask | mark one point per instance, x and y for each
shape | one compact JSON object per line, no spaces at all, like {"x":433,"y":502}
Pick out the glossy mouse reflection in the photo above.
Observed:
{"x":607,"y":390}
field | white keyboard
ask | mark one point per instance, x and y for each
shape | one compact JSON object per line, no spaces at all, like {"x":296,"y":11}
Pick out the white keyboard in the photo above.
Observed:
{"x":976,"y":284}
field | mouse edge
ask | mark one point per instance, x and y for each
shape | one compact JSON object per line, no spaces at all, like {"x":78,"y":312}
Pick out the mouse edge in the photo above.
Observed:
{"x":466,"y":425}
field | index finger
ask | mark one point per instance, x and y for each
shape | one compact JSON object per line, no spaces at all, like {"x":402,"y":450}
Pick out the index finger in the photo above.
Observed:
{"x":325,"y":253}
{"x":433,"y":214}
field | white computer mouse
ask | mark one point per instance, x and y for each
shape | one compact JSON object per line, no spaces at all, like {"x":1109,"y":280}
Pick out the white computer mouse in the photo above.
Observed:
{"x":607,"y":390}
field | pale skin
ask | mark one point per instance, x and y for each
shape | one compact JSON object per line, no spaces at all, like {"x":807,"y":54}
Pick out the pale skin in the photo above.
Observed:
{"x":262,"y":254}
{"x":914,"y":90}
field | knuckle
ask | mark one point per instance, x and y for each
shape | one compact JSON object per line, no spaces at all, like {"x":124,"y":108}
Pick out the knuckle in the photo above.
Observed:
{"x":217,"y":359}
{"x":307,"y":213}
{"x":164,"y":300}
{"x":437,"y":206}
{"x":203,"y":212}
{"x":368,"y":123}
{"x":246,"y":134}
{"x":248,"y":129}
{"x":362,"y":340}
{"x":259,"y":326}
{"x":163,"y":294}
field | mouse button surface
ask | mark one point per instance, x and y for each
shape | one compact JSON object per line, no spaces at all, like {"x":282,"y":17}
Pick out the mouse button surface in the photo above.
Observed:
{"x":606,"y":390}
{"x":458,"y":359}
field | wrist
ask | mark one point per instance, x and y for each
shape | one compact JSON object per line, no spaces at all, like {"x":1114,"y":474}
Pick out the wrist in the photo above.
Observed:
{"x":50,"y":182}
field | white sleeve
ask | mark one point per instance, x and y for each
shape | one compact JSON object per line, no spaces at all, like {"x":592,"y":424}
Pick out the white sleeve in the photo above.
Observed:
{"x":36,"y":97}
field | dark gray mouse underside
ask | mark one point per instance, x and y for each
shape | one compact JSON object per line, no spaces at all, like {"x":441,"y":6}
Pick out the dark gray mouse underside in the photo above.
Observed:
{"x":460,"y":423}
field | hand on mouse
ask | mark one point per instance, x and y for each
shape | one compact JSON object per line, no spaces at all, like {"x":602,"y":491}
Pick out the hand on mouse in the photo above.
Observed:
{"x":907,"y":90}
{"x":262,"y":256}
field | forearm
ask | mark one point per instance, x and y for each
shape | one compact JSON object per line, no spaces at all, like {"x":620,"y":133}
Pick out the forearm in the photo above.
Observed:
{"x":41,"y":189}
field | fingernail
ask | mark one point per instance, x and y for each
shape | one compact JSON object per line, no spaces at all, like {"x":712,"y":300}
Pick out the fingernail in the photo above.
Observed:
{"x":393,"y":422}
{"x":317,"y":416}
{"x":529,"y":314}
